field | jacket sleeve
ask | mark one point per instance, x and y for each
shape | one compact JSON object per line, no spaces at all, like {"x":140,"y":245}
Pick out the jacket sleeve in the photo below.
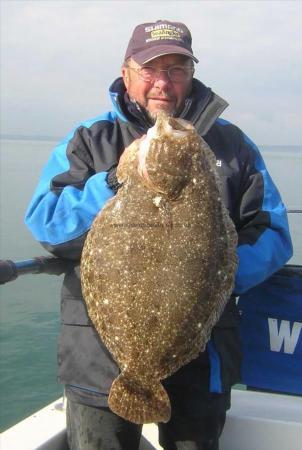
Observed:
{"x":264,"y":243}
{"x":68,"y":197}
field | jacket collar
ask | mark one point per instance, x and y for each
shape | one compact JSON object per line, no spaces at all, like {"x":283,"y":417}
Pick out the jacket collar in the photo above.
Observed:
{"x":201,"y":108}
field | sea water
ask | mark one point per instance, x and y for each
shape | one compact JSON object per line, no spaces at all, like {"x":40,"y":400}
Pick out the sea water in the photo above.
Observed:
{"x":29,"y":306}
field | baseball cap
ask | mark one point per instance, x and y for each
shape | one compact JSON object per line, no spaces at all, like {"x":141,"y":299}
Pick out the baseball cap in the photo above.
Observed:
{"x":153,"y":39}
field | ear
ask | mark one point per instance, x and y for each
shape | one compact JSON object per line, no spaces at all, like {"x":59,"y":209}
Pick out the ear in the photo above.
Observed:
{"x":125,"y":76}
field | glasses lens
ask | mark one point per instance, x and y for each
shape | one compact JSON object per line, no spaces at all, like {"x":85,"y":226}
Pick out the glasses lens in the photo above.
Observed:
{"x":147,"y":73}
{"x":178,"y":74}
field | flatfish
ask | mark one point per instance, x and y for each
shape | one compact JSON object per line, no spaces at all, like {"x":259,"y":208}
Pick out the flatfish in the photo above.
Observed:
{"x":158,"y":265}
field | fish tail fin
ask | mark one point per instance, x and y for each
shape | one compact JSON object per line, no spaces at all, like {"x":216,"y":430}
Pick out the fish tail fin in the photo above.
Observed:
{"x":137,"y":403}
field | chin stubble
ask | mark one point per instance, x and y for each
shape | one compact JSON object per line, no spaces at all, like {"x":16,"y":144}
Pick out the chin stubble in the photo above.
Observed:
{"x":153,"y":115}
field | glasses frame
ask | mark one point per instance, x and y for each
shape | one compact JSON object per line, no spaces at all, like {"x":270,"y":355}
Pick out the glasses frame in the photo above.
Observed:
{"x":189,"y":70}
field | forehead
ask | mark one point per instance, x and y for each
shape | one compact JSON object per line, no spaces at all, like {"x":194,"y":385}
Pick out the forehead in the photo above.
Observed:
{"x":168,"y":60}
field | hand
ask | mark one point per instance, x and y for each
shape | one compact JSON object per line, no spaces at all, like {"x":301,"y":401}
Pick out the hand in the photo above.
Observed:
{"x":111,"y":179}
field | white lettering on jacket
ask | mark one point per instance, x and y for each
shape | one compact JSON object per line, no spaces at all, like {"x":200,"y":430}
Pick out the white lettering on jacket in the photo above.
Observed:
{"x":284,"y":335}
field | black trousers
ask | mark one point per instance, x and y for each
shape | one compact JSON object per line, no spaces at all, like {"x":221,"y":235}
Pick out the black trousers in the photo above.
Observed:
{"x":196,"y":424}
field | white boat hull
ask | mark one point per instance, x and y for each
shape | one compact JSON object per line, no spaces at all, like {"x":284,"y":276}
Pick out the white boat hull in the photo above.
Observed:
{"x":256,"y":421}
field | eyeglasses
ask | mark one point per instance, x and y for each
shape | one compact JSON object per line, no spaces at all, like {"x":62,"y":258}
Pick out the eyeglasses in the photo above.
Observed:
{"x":177,"y":74}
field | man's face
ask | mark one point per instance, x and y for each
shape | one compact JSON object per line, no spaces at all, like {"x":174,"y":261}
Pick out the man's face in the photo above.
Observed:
{"x":160,"y":94}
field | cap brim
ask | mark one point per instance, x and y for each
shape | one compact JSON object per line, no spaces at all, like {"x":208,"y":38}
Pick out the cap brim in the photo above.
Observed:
{"x":161,"y":50}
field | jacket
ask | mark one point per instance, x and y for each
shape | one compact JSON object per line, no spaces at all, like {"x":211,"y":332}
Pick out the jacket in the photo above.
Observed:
{"x":73,"y":188}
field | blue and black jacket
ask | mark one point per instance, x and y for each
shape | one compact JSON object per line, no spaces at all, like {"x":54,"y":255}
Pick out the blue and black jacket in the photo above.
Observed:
{"x":75,"y":185}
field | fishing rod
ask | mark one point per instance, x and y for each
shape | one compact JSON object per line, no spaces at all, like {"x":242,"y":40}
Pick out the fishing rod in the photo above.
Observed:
{"x":51,"y":265}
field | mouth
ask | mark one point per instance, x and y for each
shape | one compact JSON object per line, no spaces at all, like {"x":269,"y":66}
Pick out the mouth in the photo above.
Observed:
{"x":161,"y":99}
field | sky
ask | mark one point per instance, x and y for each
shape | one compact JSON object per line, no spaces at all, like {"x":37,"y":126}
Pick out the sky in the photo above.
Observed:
{"x":58,"y":59}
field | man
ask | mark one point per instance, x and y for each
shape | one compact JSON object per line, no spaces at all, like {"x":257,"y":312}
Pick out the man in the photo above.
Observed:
{"x":157,"y":74}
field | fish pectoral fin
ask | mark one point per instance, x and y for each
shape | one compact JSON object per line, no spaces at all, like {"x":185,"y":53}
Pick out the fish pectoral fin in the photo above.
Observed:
{"x":137,"y":403}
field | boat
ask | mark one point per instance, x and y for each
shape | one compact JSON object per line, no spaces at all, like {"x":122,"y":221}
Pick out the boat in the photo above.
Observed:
{"x":256,"y":421}
{"x":259,"y":419}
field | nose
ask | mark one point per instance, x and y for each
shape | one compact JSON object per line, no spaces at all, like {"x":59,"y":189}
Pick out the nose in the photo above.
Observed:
{"x":162,"y":79}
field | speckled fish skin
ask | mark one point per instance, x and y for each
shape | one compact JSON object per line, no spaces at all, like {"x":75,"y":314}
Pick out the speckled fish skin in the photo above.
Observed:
{"x":158,"y":265}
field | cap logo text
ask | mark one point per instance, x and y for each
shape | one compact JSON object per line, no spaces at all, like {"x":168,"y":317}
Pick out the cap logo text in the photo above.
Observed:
{"x":163,"y":26}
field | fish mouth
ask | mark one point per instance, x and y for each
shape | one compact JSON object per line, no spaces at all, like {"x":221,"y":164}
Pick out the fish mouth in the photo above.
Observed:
{"x":167,"y":125}
{"x":142,"y":168}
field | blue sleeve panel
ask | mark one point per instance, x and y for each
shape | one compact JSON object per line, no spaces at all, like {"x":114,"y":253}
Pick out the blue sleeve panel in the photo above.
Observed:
{"x":273,"y":247}
{"x":56,"y":219}
{"x":215,"y":369}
